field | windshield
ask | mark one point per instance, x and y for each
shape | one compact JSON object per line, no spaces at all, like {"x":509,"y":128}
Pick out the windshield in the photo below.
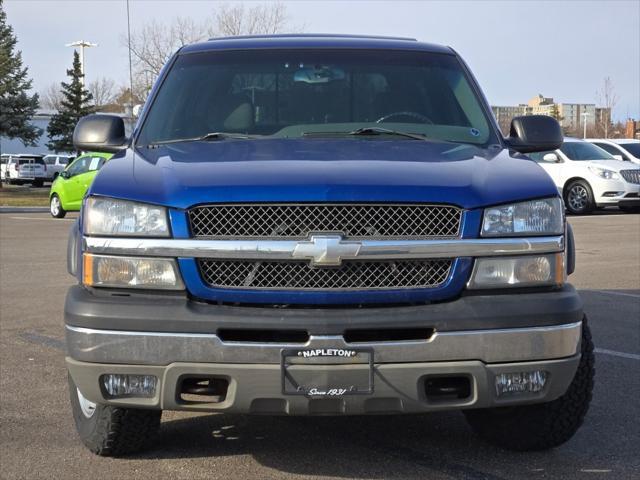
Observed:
{"x":303,"y":93}
{"x":584,"y":151}
{"x":632,"y":148}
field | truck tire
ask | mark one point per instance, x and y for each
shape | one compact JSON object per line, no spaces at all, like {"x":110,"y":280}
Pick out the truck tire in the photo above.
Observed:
{"x":112,"y":431}
{"x":546,"y":425}
{"x":55,"y":207}
{"x":578,"y":198}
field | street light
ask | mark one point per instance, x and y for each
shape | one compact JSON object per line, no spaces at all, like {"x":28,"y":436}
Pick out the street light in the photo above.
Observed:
{"x":584,"y":123}
{"x":82,"y":44}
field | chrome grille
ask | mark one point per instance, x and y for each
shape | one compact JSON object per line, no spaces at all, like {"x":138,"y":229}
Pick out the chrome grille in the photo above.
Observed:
{"x":352,"y":275}
{"x":631,"y":176}
{"x":299,"y":220}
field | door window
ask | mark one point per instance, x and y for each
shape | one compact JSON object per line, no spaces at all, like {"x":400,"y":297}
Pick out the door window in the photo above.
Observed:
{"x":80,"y":166}
{"x":611,"y":149}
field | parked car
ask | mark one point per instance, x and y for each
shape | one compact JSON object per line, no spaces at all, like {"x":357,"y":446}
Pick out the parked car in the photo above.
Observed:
{"x":620,"y":148}
{"x":589,"y":177}
{"x":25,"y":168}
{"x":69,"y":188}
{"x":56,"y":164}
{"x":4,"y":158}
{"x":323,"y":225}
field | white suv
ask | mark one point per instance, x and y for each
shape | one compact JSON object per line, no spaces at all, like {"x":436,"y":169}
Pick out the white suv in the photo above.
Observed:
{"x":24,"y":168}
{"x":588,"y":177}
{"x":620,"y":148}
{"x":56,"y":164}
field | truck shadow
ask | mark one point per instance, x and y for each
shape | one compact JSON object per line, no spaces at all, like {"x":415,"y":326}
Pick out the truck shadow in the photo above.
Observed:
{"x":415,"y":446}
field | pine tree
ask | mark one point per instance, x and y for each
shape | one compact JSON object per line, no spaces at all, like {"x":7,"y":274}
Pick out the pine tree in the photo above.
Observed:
{"x":17,"y":107}
{"x":76,"y":104}
{"x":555,"y":113}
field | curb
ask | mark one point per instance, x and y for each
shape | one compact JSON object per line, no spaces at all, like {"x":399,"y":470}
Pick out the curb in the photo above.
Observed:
{"x":24,"y":209}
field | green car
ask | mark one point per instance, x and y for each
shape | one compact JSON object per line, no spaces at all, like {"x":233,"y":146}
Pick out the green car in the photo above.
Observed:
{"x":69,"y":188}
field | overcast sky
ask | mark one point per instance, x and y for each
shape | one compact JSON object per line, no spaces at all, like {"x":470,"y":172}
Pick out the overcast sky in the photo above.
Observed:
{"x":516,"y":49}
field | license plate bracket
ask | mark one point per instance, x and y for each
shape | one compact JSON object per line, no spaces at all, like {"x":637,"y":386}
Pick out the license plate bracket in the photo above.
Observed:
{"x":327,"y":372}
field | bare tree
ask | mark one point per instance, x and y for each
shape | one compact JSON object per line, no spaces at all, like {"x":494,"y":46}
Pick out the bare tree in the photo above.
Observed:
{"x":50,"y":97}
{"x":152,"y":45}
{"x":103,"y":91}
{"x":238,"y":19}
{"x":608,"y":99}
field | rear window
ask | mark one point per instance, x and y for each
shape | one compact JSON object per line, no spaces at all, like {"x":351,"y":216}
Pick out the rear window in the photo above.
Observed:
{"x":632,"y":148}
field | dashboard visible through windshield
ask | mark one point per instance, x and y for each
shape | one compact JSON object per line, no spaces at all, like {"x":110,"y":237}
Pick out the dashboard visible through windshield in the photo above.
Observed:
{"x":308,"y":93}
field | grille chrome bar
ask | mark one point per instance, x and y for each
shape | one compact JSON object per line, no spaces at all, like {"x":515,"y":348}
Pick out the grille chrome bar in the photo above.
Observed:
{"x":298,"y":221}
{"x":284,"y":249}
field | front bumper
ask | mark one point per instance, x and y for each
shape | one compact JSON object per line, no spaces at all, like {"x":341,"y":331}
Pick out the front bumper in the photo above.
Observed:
{"x":172,"y":337}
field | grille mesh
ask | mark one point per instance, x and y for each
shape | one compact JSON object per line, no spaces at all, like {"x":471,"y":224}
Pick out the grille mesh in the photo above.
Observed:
{"x":298,"y":221}
{"x":352,"y":275}
{"x":631,"y":176}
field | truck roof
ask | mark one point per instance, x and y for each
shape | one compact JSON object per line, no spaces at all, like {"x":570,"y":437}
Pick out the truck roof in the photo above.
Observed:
{"x":314,"y":40}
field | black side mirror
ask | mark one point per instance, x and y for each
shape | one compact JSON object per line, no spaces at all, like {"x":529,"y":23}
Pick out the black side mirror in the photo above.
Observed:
{"x":534,"y":133}
{"x":100,"y":133}
{"x":65,"y":174}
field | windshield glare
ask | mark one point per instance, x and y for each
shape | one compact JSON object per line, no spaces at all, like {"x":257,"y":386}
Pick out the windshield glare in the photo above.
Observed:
{"x":289,"y":93}
{"x":584,"y":151}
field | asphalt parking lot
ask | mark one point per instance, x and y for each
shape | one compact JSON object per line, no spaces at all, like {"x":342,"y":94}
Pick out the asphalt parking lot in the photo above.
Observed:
{"x":38,"y":439}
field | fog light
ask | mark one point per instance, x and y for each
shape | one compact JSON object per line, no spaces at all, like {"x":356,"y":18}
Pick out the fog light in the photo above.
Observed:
{"x":520,"y":382}
{"x":118,"y":385}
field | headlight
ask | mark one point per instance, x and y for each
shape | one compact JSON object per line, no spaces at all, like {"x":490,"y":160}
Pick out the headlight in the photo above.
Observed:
{"x":109,"y":216}
{"x":604,"y":173}
{"x":131,"y":272}
{"x":521,"y":271}
{"x":537,"y":217}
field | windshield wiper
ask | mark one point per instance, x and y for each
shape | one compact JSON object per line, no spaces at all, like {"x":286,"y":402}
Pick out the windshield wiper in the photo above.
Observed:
{"x":207,"y":137}
{"x":369,"y":131}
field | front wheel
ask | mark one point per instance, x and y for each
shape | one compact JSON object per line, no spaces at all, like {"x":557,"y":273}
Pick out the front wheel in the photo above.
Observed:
{"x":112,"y":431}
{"x":55,"y":207}
{"x":545,"y":425}
{"x":578,"y":198}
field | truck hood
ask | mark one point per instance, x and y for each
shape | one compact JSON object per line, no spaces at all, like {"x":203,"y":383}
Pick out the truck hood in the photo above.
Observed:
{"x":184,"y":174}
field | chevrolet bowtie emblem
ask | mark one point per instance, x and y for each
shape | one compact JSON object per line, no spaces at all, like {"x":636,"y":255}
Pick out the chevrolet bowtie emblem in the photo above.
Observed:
{"x":326,"y":250}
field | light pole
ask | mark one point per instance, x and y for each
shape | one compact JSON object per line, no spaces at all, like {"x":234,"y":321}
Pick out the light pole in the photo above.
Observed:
{"x":82,"y":44}
{"x":584,"y":123}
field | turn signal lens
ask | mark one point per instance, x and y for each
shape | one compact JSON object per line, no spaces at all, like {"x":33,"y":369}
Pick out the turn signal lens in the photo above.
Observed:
{"x":521,"y":271}
{"x":131,"y":272}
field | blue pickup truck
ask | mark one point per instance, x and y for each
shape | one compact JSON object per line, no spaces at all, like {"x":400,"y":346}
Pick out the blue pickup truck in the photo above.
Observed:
{"x":323,"y":225}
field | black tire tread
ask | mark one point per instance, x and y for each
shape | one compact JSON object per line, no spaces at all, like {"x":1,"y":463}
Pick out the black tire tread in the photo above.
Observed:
{"x":546,"y":425}
{"x":121,"y":431}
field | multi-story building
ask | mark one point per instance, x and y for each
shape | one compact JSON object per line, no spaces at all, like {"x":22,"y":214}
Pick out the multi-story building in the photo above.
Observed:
{"x":570,"y":115}
{"x":504,"y":115}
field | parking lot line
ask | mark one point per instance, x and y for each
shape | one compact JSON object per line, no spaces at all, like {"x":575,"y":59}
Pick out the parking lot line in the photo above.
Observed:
{"x":622,"y":294}
{"x":613,"y":353}
{"x":46,"y":219}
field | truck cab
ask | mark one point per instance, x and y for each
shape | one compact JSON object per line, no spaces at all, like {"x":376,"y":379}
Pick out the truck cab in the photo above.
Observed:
{"x":323,"y":225}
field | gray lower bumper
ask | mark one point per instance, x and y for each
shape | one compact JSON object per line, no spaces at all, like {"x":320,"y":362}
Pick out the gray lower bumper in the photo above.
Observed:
{"x":398,"y":387}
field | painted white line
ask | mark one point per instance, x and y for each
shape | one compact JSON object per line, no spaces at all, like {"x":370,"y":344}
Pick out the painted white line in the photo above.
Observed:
{"x":45,"y":219}
{"x":613,"y":353}
{"x":595,"y":470}
{"x":621,"y":294}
